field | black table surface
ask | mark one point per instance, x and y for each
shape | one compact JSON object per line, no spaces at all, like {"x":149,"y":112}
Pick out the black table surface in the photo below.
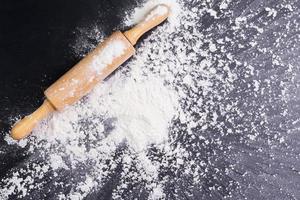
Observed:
{"x":36,"y":41}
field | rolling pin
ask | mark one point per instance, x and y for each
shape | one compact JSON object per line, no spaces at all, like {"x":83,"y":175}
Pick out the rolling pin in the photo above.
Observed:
{"x":92,"y":69}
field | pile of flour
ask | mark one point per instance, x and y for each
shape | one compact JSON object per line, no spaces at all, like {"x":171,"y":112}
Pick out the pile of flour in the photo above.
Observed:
{"x":139,"y":108}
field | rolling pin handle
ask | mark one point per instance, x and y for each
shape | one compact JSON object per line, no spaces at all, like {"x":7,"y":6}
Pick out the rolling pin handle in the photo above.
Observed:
{"x":155,"y":17}
{"x":24,"y":127}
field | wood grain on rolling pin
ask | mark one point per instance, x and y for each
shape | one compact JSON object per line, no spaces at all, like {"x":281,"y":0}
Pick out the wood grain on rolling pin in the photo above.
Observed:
{"x":79,"y":80}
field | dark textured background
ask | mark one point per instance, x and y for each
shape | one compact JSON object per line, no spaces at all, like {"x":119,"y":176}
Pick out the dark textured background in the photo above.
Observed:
{"x":35,"y":49}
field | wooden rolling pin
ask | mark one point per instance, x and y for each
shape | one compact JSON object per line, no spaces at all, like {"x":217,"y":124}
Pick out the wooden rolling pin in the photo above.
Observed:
{"x":95,"y":67}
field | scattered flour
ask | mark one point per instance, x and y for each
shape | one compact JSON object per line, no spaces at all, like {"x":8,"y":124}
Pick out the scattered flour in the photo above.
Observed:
{"x":172,"y":123}
{"x":57,"y":162}
{"x":271,"y":12}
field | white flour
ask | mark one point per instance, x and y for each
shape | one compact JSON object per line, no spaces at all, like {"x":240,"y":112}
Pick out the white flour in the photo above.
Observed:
{"x":139,"y":106}
{"x":111,"y":51}
{"x":136,"y":109}
{"x":161,"y":122}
